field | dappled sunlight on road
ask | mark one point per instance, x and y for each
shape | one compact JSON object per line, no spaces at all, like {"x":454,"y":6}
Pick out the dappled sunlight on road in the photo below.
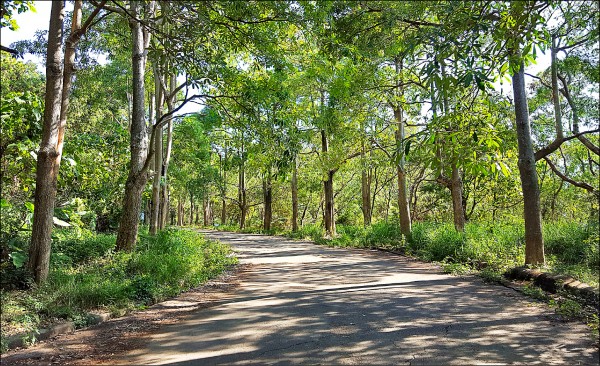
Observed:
{"x":302,"y":303}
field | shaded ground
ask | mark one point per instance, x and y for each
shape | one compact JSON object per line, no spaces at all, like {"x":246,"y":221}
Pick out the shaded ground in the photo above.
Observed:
{"x":301,"y":303}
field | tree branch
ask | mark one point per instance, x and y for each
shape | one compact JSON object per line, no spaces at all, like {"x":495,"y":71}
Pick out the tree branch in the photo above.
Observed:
{"x":583,"y":185}
{"x":554,"y":145}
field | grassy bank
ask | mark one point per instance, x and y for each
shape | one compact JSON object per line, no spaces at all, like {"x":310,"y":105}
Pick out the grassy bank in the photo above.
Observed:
{"x":571,"y":247}
{"x":86,"y":274}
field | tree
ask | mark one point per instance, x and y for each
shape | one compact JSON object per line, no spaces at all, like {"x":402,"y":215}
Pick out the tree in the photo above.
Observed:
{"x":59,"y":72}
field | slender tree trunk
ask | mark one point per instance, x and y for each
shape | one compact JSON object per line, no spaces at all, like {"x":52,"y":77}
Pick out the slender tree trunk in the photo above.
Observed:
{"x":207,"y":211}
{"x":366,"y":196}
{"x":295,"y":196}
{"x":179,"y":212}
{"x":534,"y":243}
{"x":138,"y":176}
{"x":403,"y":203}
{"x":365,"y":186}
{"x":328,"y":211}
{"x":167,"y":158}
{"x":268,"y":201}
{"x":456,"y":190}
{"x":224,"y":190}
{"x":158,"y":163}
{"x":242,"y":203}
{"x":192,"y":209}
{"x":48,"y":158}
{"x":555,"y":92}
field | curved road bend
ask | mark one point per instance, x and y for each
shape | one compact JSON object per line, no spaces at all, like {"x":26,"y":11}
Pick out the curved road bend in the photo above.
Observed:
{"x":308,"y":304}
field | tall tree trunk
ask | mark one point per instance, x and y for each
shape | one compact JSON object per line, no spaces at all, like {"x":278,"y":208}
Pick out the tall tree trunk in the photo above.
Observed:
{"x":167,"y":158}
{"x":534,"y":243}
{"x":456,"y":184}
{"x":295,"y":195}
{"x":138,"y":175}
{"x":403,"y":203}
{"x":268,"y":201}
{"x":48,"y":158}
{"x":59,"y":78}
{"x":158,"y":163}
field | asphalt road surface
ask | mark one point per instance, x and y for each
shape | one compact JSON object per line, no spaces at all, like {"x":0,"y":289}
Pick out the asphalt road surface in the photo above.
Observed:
{"x":306,"y":304}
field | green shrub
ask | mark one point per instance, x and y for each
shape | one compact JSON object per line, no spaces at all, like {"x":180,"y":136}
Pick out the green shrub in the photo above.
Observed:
{"x":383,"y":234}
{"x":159,"y":267}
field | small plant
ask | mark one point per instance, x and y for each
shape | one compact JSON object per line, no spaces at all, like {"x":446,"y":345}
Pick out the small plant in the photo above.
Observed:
{"x":567,"y":307}
{"x":456,"y":268}
{"x":535,"y":292}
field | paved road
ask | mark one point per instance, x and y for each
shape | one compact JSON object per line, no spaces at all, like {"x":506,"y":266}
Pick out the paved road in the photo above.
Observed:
{"x":307,"y":304}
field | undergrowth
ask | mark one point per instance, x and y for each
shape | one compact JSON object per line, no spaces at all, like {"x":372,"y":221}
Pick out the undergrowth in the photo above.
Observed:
{"x":88,"y":275}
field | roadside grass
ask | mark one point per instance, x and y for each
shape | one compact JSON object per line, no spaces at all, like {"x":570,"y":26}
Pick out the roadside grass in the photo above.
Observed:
{"x":88,"y":275}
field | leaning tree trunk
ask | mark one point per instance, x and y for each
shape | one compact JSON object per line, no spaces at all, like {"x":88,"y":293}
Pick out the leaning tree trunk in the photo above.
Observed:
{"x":295,"y":196}
{"x":48,"y":158}
{"x":138,"y":176}
{"x":534,"y":243}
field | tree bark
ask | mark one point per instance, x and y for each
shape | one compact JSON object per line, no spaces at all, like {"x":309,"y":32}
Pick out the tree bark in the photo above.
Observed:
{"x":137,"y":176}
{"x":366,"y":196}
{"x":295,"y":195}
{"x":167,"y":158}
{"x":268,"y":201}
{"x":224,"y":189}
{"x":48,"y":155}
{"x":403,"y":203}
{"x":207,"y":214}
{"x":458,"y":209}
{"x":328,"y":211}
{"x":555,"y":92}
{"x":158,"y":163}
{"x":534,"y":243}
{"x":242,"y":203}
{"x":179,"y":212}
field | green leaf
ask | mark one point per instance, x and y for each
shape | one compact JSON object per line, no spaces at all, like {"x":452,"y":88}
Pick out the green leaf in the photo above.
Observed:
{"x":407,"y":147}
{"x":18,"y":258}
{"x":29,"y":206}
